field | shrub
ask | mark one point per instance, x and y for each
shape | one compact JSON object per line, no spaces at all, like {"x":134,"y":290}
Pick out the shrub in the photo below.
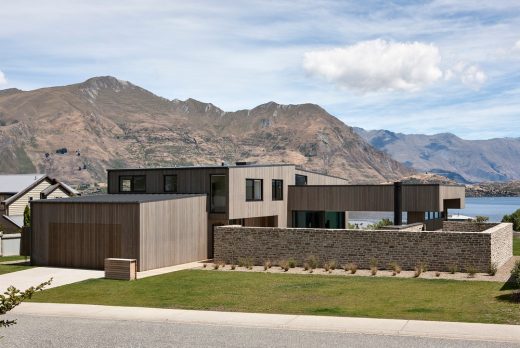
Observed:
{"x":216,"y":265}
{"x":291,"y":262}
{"x":481,"y":219}
{"x":423,"y":266}
{"x":380,"y":224}
{"x":373,"y":262}
{"x":27,"y":216}
{"x":515,"y":273}
{"x":417,"y":271}
{"x":204,"y":265}
{"x":233,"y":266}
{"x":312,"y":261}
{"x":471,"y":270}
{"x":394,"y":266}
{"x":284,"y":264}
{"x":437,"y":274}
{"x":267,"y":264}
{"x":326,"y":266}
{"x":332,"y":264}
{"x":241,"y":262}
{"x":453,"y":268}
{"x":373,"y":270}
{"x":493,"y":268}
{"x":514,"y":218}
{"x":352,"y":267}
{"x":306,"y":266}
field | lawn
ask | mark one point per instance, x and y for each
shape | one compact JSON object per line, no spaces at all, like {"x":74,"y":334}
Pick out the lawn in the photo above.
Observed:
{"x":421,"y":299}
{"x":11,"y":258}
{"x":516,"y":246}
{"x":12,"y":268}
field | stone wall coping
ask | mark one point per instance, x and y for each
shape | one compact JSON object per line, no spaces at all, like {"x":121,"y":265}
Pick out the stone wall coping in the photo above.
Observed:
{"x":490,"y":230}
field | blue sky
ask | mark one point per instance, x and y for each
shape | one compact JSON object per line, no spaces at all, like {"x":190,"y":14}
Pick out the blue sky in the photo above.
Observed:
{"x":406,"y":66}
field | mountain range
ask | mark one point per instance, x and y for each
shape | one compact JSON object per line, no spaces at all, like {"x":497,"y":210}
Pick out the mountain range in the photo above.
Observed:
{"x":76,"y":132}
{"x":465,"y":161}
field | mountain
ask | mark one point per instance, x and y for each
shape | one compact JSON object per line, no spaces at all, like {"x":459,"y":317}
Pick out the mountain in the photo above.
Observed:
{"x":76,"y":132}
{"x":464,"y":161}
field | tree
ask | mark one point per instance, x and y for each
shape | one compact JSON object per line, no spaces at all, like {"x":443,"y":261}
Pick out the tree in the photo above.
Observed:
{"x":514,"y":219}
{"x":481,"y":219}
{"x":27,"y":216}
{"x":380,"y":224}
{"x":13,"y":297}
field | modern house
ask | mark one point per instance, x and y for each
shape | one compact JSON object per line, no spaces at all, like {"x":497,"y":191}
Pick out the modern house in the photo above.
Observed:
{"x":16,"y":191}
{"x":167,"y":216}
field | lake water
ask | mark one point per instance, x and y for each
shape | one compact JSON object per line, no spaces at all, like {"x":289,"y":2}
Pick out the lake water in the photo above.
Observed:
{"x":493,"y":207}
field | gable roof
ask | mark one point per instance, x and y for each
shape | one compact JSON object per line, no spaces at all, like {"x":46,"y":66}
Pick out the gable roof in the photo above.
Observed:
{"x":14,"y":183}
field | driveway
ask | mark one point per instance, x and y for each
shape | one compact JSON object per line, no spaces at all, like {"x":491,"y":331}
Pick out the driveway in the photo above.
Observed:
{"x":35,"y":276}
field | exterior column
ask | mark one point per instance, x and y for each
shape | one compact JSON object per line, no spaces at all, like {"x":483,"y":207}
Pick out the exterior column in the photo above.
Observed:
{"x":398,"y":207}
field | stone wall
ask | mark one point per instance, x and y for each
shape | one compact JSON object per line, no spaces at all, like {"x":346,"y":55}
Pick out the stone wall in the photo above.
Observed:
{"x":439,"y":250}
{"x":463,"y":226}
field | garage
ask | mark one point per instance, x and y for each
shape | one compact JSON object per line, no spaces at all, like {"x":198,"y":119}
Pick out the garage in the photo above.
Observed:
{"x":158,"y":230}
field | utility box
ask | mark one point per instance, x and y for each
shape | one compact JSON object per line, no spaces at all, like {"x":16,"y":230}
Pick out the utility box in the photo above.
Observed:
{"x":121,"y":269}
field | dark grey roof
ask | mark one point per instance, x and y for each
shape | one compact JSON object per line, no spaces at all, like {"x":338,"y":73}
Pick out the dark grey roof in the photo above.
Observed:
{"x":216,"y":166}
{"x":119,"y":198}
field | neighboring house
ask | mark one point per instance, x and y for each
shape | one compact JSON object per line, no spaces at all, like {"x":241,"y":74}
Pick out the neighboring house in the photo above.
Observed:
{"x":17,"y":190}
{"x":166,"y":216}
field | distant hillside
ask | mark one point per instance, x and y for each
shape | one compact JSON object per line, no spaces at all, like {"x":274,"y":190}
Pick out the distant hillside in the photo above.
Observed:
{"x":76,"y":132}
{"x":462,"y":160}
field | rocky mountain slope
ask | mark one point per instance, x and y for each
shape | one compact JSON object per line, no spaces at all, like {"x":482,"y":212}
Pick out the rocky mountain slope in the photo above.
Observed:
{"x":462,"y":160}
{"x":75,"y":132}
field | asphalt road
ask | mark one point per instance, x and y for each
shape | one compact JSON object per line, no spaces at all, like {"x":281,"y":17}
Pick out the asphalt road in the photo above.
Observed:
{"x":44,"y":331}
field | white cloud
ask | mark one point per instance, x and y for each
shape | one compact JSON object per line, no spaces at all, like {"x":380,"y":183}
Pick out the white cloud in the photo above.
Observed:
{"x":470,"y":75}
{"x":377,"y":65}
{"x":516,"y":46}
{"x":3,"y":80}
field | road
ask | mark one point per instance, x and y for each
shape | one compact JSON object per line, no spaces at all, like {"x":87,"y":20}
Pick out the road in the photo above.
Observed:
{"x":56,"y":331}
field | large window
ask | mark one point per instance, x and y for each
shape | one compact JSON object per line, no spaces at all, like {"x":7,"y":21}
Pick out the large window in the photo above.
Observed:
{"x":300,"y":180}
{"x":132,"y":183}
{"x":170,"y":183}
{"x":218,"y":193}
{"x":318,"y":219}
{"x":254,"y":189}
{"x":277,"y":190}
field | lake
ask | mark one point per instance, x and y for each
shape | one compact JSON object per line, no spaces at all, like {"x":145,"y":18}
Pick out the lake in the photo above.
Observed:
{"x":493,"y":207}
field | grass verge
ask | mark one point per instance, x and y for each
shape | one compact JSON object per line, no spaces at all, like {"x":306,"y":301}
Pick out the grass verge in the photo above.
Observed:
{"x":421,"y":299}
{"x":516,"y":246}
{"x":12,"y":268}
{"x":12,"y":258}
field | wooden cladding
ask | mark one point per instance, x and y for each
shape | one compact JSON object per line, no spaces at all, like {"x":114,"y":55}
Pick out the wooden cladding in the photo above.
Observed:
{"x":81,"y":245}
{"x":373,"y":197}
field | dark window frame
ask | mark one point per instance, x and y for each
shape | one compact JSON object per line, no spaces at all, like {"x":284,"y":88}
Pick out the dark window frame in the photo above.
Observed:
{"x":301,"y":176}
{"x":261,"y":190}
{"x":176,"y":183}
{"x":132,"y":183}
{"x":274,"y":190}
{"x":211,"y":207}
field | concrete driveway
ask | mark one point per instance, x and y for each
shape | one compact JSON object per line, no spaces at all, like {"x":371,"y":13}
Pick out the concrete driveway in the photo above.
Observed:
{"x":35,"y":276}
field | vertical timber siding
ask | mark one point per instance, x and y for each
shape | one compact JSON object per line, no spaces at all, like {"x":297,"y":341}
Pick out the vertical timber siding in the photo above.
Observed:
{"x":173,"y":232}
{"x":83,"y":234}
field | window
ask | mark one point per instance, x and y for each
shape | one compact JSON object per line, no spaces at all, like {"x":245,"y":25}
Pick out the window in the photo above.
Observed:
{"x":218,"y":194}
{"x":300,"y":180}
{"x":132,"y":183}
{"x":170,"y":183}
{"x":277,"y":190}
{"x":254,"y":188}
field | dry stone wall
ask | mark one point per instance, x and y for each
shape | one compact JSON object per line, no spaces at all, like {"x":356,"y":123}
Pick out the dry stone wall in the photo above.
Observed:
{"x":439,"y":250}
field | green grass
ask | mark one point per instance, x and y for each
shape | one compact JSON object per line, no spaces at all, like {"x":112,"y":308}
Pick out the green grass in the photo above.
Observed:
{"x":516,"y":246}
{"x":420,"y":299}
{"x":12,"y":268}
{"x":11,"y":258}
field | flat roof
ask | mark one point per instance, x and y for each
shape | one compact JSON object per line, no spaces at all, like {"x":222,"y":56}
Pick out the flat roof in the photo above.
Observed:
{"x":211,"y":166}
{"x":120,"y":198}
